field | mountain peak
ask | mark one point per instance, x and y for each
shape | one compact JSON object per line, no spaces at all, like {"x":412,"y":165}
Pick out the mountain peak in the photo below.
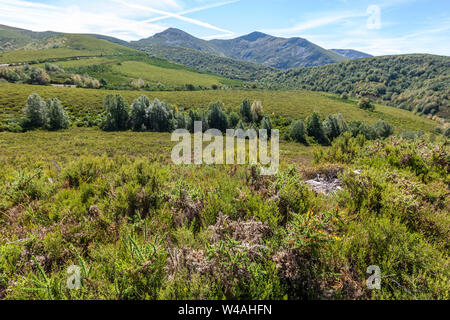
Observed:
{"x":254,"y":36}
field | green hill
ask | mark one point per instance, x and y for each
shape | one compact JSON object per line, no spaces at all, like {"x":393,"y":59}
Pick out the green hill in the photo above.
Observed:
{"x":419,"y":83}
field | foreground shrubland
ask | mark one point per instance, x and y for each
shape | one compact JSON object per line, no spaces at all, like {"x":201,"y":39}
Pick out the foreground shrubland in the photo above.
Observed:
{"x":141,"y":228}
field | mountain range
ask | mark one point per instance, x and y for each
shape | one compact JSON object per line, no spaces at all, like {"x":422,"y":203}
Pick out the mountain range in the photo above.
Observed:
{"x":258,"y":47}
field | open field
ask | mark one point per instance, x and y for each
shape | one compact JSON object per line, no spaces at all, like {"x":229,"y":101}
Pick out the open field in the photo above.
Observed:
{"x":295,"y":104}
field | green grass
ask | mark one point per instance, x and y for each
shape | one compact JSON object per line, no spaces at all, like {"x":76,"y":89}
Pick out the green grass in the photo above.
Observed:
{"x":295,"y":104}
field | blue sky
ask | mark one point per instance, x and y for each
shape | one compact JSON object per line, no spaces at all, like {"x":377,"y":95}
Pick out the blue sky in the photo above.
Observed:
{"x":376,"y":27}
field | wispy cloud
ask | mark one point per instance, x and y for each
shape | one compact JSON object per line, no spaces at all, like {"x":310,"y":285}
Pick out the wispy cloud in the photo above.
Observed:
{"x":316,"y":23}
{"x":173,"y":15}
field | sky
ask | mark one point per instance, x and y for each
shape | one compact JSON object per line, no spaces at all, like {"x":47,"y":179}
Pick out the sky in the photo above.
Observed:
{"x":377,"y":27}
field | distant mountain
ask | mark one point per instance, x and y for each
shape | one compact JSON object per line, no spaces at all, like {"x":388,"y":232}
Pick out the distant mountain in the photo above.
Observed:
{"x":256,"y":47}
{"x":351,"y":54}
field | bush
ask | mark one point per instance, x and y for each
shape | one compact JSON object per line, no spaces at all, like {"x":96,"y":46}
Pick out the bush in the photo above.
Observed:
{"x":39,"y":76}
{"x":366,"y":104}
{"x":56,"y":116}
{"x":217,"y":119}
{"x":297,"y":131}
{"x":116,"y":109}
{"x":34,"y":112}
{"x":383,"y":129}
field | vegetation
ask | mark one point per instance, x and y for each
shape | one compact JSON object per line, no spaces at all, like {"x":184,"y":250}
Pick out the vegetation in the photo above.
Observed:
{"x":418,"y":83}
{"x":139,"y":233}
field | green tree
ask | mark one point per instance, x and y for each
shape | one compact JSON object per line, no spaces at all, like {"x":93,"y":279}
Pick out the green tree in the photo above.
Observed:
{"x":246,"y":110}
{"x":138,"y":114}
{"x":334,"y":125}
{"x":314,"y":128}
{"x":297,"y":131}
{"x":233,"y":119}
{"x":56,"y":116}
{"x":34,"y":112}
{"x":266,"y":124}
{"x":160,"y":117}
{"x":116,"y":113}
{"x":217,"y":119}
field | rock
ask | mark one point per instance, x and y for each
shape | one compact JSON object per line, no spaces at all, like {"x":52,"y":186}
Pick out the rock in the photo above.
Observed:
{"x":325,"y":186}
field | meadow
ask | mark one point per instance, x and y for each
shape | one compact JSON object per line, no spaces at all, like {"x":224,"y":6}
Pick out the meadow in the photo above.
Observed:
{"x":294,"y":104}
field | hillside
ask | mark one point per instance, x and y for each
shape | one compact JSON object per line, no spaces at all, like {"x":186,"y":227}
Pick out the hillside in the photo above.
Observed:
{"x":256,"y":47}
{"x":419,"y":83}
{"x":351,"y":54}
{"x":226,"y":67}
{"x":15,"y":38}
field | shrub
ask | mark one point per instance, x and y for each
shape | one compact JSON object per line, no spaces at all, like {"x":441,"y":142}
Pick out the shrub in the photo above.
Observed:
{"x":116,"y":109}
{"x":35,"y":111}
{"x":366,"y":104}
{"x":297,"y":131}
{"x":56,"y":116}
{"x":39,"y":76}
{"x":383,"y":129}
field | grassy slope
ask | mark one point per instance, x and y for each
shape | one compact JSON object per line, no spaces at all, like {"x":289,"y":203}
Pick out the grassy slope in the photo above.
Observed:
{"x":71,"y":45}
{"x":296,"y":104}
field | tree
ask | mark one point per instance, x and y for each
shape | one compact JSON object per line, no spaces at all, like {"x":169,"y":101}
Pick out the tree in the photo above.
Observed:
{"x":116,"y":113}
{"x":257,"y":111}
{"x":233,"y":119}
{"x":246,"y":110}
{"x":384,"y":129}
{"x":34,"y":111}
{"x":160,"y":117}
{"x":56,"y":116}
{"x":181,"y":120}
{"x":217,"y":119}
{"x":138,"y":115}
{"x":297,"y":131}
{"x":266,"y":124}
{"x":362,"y":128}
{"x":366,"y":104}
{"x":314,"y":128}
{"x":334,"y":126}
